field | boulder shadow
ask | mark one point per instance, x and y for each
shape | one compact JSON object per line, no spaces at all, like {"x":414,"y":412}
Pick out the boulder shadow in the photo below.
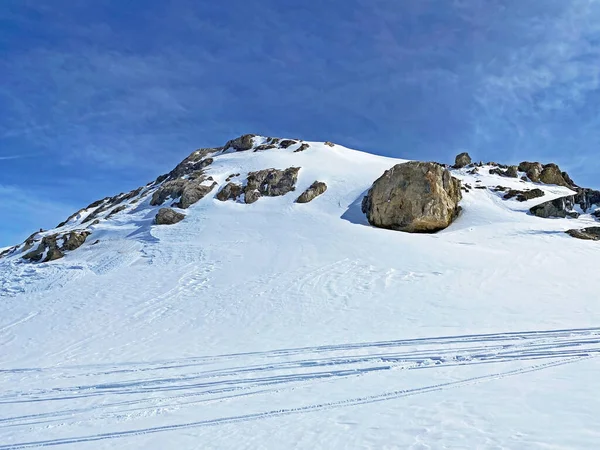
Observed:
{"x":354,"y":212}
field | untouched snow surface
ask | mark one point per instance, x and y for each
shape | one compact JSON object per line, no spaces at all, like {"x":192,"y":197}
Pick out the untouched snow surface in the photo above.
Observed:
{"x":280,"y":325}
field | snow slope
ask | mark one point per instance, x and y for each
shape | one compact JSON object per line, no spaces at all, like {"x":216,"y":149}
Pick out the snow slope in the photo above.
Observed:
{"x":281,"y":325}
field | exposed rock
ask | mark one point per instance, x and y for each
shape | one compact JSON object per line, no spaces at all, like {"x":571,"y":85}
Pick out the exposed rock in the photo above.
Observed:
{"x":416,"y":197}
{"x":551,"y":174}
{"x":189,"y":191}
{"x":589,"y":234}
{"x":287,"y":143}
{"x":303,"y":147}
{"x":116,"y":210}
{"x":532,"y":169}
{"x":560,"y":207}
{"x":480,"y":187}
{"x":265,"y":147}
{"x":473,"y":171}
{"x":510,"y":172}
{"x":586,"y":198}
{"x":523,"y":196}
{"x":197,"y":161}
{"x":462,"y":160}
{"x":245,"y":142}
{"x":50,"y":250}
{"x":330,"y":144}
{"x":315,"y":189}
{"x":233,"y":175}
{"x":230,"y":191}
{"x":74,"y":240}
{"x":270,"y":183}
{"x":167,"y":216}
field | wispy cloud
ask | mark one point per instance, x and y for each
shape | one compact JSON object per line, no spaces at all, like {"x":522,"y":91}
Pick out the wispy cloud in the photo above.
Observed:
{"x":23,"y":212}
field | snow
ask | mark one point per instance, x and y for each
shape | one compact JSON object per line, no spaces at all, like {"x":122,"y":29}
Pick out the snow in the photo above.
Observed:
{"x":282,"y":325}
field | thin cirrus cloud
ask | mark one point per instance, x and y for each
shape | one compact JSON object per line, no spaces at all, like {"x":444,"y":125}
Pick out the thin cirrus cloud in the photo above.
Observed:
{"x":108,"y":92}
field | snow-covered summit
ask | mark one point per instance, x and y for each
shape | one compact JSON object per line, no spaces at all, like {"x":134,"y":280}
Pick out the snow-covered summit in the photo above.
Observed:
{"x":261,"y":322}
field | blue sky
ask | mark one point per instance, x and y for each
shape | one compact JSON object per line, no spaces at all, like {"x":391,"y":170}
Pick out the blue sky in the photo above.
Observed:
{"x":99,"y":97}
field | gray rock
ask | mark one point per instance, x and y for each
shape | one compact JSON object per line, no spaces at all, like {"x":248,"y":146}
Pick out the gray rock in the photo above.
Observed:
{"x":551,"y":174}
{"x":523,"y":196}
{"x":532,"y":169}
{"x":416,"y":197}
{"x":74,"y":240}
{"x":50,"y":250}
{"x":303,"y":147}
{"x":116,"y":210}
{"x":287,"y":143}
{"x":560,"y":207}
{"x":189,"y":191}
{"x":509,"y":172}
{"x":231,"y":191}
{"x":315,"y":189}
{"x":512,"y":172}
{"x":462,"y":160}
{"x":245,"y":142}
{"x":167,"y":216}
{"x":586,"y":198}
{"x":270,"y":183}
{"x":329,"y":143}
{"x":589,"y":234}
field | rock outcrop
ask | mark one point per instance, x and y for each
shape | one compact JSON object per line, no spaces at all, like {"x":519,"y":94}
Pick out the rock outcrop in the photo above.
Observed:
{"x":551,"y":174}
{"x":523,"y":196}
{"x":54,"y":246}
{"x":230,"y":191}
{"x":509,"y":172}
{"x":532,"y":170}
{"x":315,"y":189}
{"x":188,"y":191}
{"x":586,"y":198}
{"x":270,"y":183}
{"x":242,"y":143}
{"x":415,"y":197}
{"x":588,"y":234}
{"x":560,"y":207}
{"x":462,"y":160}
{"x":168,"y":216}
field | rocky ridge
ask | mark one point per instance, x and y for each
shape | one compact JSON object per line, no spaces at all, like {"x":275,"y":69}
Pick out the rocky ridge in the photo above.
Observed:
{"x":414,"y":197}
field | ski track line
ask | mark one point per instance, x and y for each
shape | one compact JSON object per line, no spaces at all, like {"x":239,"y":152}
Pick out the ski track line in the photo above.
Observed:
{"x":299,"y":410}
{"x":19,"y":321}
{"x":558,"y":348}
{"x":405,"y":361}
{"x":463,"y":339}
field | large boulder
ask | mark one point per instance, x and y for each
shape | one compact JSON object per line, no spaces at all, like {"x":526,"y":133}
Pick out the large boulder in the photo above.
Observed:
{"x":462,"y":160}
{"x":559,"y":207}
{"x":168,"y":216}
{"x":315,"y":189}
{"x":416,"y":197}
{"x":270,"y":183}
{"x":588,"y":234}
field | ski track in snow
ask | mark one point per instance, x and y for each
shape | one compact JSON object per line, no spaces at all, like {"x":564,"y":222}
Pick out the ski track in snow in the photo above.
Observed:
{"x":133,"y":391}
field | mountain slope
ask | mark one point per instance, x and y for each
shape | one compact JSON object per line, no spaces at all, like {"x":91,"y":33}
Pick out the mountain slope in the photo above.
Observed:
{"x":284,"y":325}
